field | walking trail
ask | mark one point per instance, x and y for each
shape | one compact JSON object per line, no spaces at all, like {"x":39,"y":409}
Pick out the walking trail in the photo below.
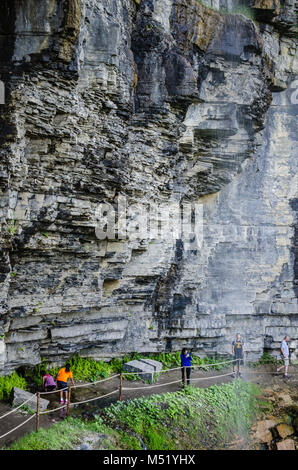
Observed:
{"x":262,"y":375}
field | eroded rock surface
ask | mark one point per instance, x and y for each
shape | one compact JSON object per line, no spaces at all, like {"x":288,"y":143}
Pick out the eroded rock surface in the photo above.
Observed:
{"x":172,"y":104}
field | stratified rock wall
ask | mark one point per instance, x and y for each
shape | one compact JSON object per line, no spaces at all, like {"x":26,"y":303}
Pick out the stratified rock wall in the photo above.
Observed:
{"x":169,"y":103}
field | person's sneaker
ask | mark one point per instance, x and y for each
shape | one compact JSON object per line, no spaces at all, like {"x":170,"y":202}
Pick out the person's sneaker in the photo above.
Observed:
{"x":66,"y":401}
{"x":234,"y":375}
{"x":61,"y":400}
{"x":287,"y":376}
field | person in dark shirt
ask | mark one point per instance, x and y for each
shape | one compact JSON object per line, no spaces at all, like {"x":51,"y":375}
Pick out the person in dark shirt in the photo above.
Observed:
{"x":186,"y":362}
{"x":238,"y":354}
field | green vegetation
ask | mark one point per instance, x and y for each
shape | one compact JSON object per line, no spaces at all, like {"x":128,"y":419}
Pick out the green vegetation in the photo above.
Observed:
{"x":7,"y":382}
{"x":265,"y":359}
{"x":89,"y":370}
{"x":61,"y":436}
{"x":193,"y":418}
{"x":27,"y":410}
{"x":11,"y":227}
{"x":189,"y":418}
{"x":170,"y":360}
{"x":83,"y":369}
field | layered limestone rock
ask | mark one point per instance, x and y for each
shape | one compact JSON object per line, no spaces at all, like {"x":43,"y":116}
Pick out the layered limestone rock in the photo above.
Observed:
{"x":167,"y":102}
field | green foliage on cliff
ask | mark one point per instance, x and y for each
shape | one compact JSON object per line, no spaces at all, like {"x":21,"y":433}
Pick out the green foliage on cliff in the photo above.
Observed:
{"x":83,"y":369}
{"x":7,"y":382}
{"x":89,"y":370}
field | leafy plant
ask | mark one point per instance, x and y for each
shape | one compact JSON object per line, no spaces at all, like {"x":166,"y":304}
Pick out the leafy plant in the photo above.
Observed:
{"x":11,"y":227}
{"x":267,"y":359}
{"x":7,"y":382}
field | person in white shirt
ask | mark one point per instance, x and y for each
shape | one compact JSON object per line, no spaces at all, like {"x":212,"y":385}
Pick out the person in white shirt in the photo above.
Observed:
{"x":285,"y":353}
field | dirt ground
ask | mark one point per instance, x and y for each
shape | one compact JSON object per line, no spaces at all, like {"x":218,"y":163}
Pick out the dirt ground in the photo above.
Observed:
{"x":262,"y":375}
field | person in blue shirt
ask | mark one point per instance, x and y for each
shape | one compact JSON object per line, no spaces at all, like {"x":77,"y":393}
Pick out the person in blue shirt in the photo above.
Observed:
{"x":186,"y":362}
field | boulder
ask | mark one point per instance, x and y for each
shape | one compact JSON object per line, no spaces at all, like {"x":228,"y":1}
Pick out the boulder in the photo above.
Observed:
{"x":285,"y":399}
{"x":19,"y":396}
{"x":262,"y":430}
{"x":287,"y":444}
{"x":284,"y":430}
{"x":146,"y":367}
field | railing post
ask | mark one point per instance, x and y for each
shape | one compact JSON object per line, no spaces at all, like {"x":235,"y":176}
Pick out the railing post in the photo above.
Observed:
{"x":184,"y":376}
{"x":68,"y":401}
{"x":37,"y":411}
{"x":120,"y":386}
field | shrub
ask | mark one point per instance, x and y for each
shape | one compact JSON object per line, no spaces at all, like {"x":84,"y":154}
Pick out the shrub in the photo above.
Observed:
{"x":7,"y":382}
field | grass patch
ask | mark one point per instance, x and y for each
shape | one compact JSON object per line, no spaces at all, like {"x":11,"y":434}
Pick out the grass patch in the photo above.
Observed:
{"x":64,"y":435}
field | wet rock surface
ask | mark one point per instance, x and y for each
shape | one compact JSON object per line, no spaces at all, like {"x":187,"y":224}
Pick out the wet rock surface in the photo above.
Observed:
{"x":278,"y":431}
{"x":179,"y":104}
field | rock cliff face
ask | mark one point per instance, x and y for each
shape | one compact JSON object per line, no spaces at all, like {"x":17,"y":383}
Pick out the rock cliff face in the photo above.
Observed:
{"x":170,"y":102}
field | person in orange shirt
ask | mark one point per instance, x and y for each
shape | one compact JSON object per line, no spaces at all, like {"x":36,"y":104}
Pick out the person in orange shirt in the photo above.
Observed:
{"x":63,"y":375}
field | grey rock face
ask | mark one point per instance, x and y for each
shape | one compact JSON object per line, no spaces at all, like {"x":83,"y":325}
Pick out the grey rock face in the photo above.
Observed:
{"x":168,"y":104}
{"x":146,"y":367}
{"x":19,"y":396}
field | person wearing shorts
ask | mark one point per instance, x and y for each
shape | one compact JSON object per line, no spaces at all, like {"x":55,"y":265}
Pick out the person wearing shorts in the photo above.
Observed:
{"x":63,"y":375}
{"x":285,"y":355}
{"x":238,"y":354}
